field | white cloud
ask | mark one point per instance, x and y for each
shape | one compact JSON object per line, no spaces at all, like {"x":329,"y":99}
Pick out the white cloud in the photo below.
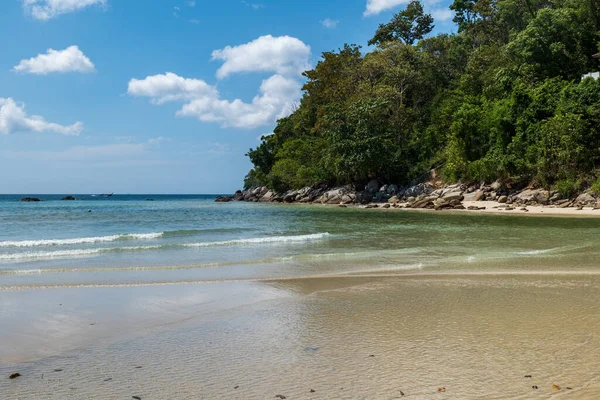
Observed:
{"x":13,"y":118}
{"x":374,"y":7}
{"x":286,"y":56}
{"x":170,"y":87}
{"x":329,"y":23}
{"x":442,"y":14}
{"x":70,"y":59}
{"x":283,"y":55}
{"x":277,"y":95}
{"x":48,"y":9}
{"x":190,"y":3}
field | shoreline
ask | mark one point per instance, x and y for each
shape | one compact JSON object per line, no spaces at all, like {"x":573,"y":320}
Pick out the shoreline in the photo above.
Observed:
{"x":492,"y":208}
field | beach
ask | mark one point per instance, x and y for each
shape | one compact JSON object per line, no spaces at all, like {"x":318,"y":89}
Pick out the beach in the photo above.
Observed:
{"x":303,"y":302}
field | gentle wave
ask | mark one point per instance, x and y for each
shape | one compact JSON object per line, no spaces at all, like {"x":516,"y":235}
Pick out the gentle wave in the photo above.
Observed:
{"x":273,"y":239}
{"x":85,"y":240}
{"x":535,"y":252}
{"x":72,"y":253}
{"x":97,"y":251}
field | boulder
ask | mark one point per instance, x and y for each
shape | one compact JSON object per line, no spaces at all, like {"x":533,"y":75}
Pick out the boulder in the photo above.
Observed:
{"x":540,"y":196}
{"x":496,"y":186}
{"x":364,"y":197}
{"x":477,"y":195}
{"x":394,"y":200}
{"x":268,"y":197}
{"x":290,"y":196}
{"x":453,"y":195}
{"x":224,"y":199}
{"x":585,"y":199}
{"x":238,"y":196}
{"x":30,"y":200}
{"x":424,"y":202}
{"x":418,"y":190}
{"x":503,"y":199}
{"x":393,"y":190}
{"x":372,"y":187}
{"x":71,"y":198}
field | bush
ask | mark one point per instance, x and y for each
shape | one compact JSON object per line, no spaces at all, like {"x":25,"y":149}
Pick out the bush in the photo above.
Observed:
{"x":569,"y":187}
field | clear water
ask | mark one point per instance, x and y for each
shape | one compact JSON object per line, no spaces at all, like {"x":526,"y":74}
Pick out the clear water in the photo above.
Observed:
{"x":130,"y":240}
{"x":249,"y":301}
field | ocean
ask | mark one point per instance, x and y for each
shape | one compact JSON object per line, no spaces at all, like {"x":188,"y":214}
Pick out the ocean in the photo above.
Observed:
{"x":246,"y":300}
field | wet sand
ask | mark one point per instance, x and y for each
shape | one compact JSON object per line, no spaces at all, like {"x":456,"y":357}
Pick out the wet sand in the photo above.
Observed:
{"x":476,"y":335}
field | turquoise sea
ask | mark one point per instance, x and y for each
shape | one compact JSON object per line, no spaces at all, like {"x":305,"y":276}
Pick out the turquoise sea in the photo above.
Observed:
{"x":179,"y":297}
{"x":153,"y":239}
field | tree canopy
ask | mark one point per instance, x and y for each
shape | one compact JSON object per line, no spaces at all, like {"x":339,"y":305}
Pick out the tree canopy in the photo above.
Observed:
{"x":502,"y":98}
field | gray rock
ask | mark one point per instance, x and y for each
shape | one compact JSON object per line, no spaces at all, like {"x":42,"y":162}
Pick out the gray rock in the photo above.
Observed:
{"x":453,"y":195}
{"x":540,"y":196}
{"x":496,"y":186}
{"x":393,"y":189}
{"x":503,"y":199}
{"x":586,"y":199}
{"x":224,"y":199}
{"x":238,"y":196}
{"x":394,"y":200}
{"x":372,"y":187}
{"x":423,"y":202}
{"x":30,"y":200}
{"x":364,"y":197}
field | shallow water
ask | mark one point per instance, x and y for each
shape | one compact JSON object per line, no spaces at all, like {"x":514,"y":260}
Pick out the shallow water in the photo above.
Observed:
{"x":279,"y":299}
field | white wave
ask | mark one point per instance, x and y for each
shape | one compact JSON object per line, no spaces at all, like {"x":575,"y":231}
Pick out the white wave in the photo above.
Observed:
{"x":84,"y":240}
{"x":71,"y":253}
{"x":273,"y":239}
{"x":535,"y":252}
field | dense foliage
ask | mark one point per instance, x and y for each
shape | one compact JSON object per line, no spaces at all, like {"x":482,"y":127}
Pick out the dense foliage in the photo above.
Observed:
{"x":502,"y":98}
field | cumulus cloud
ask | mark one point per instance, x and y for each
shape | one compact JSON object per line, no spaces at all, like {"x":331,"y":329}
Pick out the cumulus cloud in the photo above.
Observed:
{"x":70,"y":59}
{"x":13,"y":118}
{"x":284,"y":55}
{"x":442,"y":14}
{"x":48,"y":9}
{"x":277,"y":94}
{"x":170,"y":87}
{"x":329,"y":23}
{"x":374,"y":7}
{"x":274,"y":101}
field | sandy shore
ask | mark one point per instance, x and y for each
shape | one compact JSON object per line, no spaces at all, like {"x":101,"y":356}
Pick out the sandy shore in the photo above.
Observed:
{"x":453,"y":337}
{"x":493,"y":207}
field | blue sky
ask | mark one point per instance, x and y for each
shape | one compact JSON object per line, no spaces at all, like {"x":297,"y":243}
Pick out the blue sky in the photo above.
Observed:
{"x":160,"y":96}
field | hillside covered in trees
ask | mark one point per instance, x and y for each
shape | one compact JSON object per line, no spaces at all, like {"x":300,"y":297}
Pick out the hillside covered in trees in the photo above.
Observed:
{"x":503,"y":98}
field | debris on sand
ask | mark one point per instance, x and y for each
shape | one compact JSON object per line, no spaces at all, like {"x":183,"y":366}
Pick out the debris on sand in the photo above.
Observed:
{"x":14,"y":376}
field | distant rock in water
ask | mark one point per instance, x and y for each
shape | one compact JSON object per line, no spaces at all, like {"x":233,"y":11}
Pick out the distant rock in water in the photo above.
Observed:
{"x":224,"y":199}
{"x":71,"y":198}
{"x":30,"y":200}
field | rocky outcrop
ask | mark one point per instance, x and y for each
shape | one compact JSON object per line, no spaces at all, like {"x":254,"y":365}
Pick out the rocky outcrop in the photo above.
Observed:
{"x":30,"y":200}
{"x":224,"y":199}
{"x":68,"y":198}
{"x":426,"y":195}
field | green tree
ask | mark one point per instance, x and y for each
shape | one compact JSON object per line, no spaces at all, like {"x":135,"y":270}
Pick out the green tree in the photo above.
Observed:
{"x":409,"y":25}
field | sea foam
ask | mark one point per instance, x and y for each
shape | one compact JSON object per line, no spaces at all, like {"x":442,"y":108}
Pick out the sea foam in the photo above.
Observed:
{"x":83,"y":240}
